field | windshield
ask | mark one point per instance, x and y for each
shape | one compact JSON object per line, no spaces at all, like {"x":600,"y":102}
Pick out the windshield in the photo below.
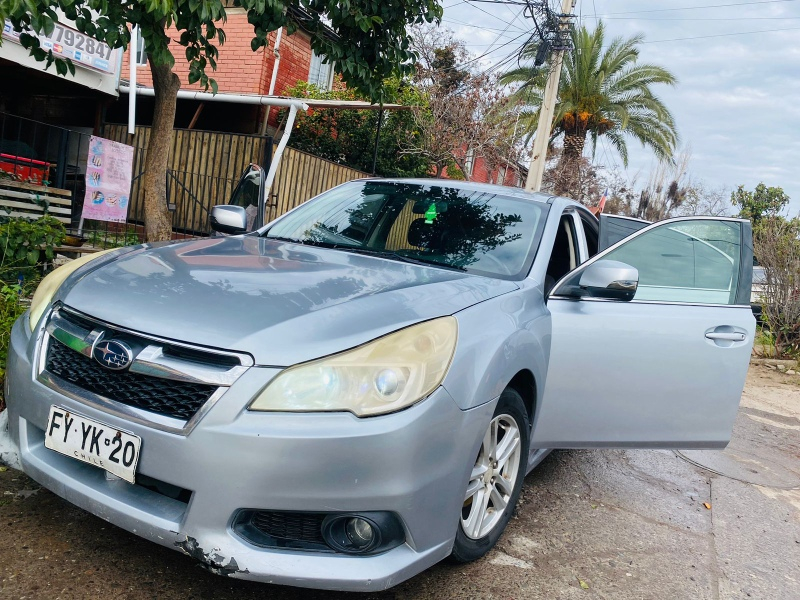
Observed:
{"x":468,"y":230}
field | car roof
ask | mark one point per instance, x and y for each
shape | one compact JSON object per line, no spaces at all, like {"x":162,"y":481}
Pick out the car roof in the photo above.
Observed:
{"x":489,"y":188}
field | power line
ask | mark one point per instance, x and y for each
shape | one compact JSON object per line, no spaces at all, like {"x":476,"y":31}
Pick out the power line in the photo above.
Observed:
{"x":482,"y":27}
{"x":485,"y":54}
{"x":702,"y":37}
{"x":692,"y":18}
{"x":455,"y":4}
{"x":633,"y":12}
{"x":511,"y":41}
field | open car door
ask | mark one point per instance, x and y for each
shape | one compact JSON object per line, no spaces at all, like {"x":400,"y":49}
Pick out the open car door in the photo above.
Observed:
{"x":614,"y":228}
{"x":247,"y":194}
{"x":658,"y":365}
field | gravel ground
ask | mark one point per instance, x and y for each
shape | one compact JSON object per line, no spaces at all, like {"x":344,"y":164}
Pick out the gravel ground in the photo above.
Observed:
{"x":591,"y":524}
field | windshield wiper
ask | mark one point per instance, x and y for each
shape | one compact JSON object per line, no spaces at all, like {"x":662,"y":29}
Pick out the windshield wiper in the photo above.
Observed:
{"x":403,"y":258}
{"x":304,"y":242}
{"x":370,"y":252}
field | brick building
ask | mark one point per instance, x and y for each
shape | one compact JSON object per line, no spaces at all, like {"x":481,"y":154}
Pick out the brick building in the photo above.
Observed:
{"x":509,"y":173}
{"x":239,"y":71}
{"x":242,"y":71}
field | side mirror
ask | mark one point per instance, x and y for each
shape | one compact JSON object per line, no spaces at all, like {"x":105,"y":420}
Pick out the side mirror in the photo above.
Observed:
{"x":229,"y":219}
{"x":609,"y":279}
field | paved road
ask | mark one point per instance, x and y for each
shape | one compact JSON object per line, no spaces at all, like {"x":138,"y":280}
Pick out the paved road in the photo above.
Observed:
{"x":592,"y":524}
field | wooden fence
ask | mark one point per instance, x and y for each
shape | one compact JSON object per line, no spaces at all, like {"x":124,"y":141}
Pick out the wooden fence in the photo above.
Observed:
{"x":31,"y":201}
{"x":302,"y":176}
{"x":205,"y":166}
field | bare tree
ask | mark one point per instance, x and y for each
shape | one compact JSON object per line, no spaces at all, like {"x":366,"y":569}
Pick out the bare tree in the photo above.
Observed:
{"x":576,"y":178}
{"x":776,"y":244}
{"x":463,"y":113}
{"x":701,"y":199}
{"x":670,"y":192}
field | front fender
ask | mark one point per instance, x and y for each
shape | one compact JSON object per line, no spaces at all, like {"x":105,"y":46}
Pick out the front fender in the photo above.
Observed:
{"x":497,"y":339}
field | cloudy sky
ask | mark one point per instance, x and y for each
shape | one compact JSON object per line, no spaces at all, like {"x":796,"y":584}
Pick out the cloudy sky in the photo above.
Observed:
{"x":737,"y":104}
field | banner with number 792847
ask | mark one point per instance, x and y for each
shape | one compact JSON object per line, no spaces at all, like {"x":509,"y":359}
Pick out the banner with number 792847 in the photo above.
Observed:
{"x":66,"y":42}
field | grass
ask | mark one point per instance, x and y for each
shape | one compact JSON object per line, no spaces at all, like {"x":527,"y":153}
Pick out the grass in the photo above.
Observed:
{"x":764,"y":344}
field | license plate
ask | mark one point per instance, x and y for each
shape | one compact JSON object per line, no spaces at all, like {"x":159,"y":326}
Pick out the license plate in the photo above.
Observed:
{"x":92,"y":442}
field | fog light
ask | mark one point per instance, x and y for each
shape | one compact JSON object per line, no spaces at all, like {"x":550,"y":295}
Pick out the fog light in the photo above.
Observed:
{"x":363,"y":533}
{"x":359,"y":532}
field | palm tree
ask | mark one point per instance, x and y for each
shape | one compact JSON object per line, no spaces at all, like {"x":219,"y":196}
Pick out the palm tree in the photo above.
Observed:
{"x":602,"y":92}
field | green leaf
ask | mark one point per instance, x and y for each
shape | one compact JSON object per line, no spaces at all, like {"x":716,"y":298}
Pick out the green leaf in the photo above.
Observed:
{"x":48,"y":25}
{"x":214,"y":86}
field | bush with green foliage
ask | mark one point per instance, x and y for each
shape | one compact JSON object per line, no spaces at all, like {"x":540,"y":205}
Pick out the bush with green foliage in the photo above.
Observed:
{"x":24,"y":243}
{"x":776,"y":244}
{"x":12,"y":305}
{"x":103,"y":238}
{"x":761,"y":202}
{"x":348,"y":136}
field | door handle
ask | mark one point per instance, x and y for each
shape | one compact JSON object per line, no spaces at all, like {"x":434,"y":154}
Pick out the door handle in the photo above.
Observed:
{"x":727,"y":336}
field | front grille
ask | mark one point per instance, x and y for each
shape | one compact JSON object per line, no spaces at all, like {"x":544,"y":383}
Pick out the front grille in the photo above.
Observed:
{"x":176,"y":399}
{"x":301,"y":527}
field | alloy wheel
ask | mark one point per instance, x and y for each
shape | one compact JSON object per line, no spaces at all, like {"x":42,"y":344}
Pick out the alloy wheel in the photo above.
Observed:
{"x":493,"y":477}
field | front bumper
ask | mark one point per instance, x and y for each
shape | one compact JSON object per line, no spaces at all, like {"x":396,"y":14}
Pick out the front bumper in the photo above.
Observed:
{"x":414,"y":463}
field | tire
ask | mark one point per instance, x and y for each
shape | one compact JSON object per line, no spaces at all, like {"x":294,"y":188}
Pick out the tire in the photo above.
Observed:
{"x":480,"y":527}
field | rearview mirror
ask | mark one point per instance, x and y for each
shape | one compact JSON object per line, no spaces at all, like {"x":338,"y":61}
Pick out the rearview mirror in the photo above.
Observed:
{"x":609,"y":279}
{"x":229,"y":219}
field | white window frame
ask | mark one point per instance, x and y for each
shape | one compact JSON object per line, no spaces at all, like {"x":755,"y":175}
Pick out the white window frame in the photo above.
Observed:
{"x":141,"y":54}
{"x":469,"y":162}
{"x":320,"y":66}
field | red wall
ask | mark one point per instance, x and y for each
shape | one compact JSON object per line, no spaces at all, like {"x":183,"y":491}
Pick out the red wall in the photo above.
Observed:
{"x":481,"y":174}
{"x":239,"y":69}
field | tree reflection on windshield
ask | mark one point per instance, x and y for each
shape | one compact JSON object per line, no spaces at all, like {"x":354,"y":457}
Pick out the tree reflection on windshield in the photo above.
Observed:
{"x":471,"y":230}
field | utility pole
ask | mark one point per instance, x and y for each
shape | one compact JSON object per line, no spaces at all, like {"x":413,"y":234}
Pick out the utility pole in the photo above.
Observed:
{"x":542,"y":139}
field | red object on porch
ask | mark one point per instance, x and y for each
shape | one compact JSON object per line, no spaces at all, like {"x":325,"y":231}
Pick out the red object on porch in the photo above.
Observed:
{"x":25,"y":169}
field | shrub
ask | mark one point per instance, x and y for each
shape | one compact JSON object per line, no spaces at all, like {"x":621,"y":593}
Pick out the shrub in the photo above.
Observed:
{"x":12,"y":305}
{"x":103,"y":238}
{"x":24,"y":243}
{"x":776,"y":244}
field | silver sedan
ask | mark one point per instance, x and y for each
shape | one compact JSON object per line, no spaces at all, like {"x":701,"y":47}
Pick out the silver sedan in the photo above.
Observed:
{"x":356,"y":391}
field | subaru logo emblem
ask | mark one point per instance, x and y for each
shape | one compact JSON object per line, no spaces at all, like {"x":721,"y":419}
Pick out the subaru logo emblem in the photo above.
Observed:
{"x":113,"y":354}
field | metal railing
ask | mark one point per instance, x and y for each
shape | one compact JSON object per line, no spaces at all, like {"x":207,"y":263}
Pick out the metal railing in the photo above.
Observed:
{"x":42,"y":154}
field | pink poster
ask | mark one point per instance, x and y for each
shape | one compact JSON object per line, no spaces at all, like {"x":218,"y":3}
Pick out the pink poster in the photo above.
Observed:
{"x":109,"y":171}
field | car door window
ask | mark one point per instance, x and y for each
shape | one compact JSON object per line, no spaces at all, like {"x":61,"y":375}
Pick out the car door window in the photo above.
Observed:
{"x":614,"y":228}
{"x":590,"y":232}
{"x":694,"y":261}
{"x":565,"y":254}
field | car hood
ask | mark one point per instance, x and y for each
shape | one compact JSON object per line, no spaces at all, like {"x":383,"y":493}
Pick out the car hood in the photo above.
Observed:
{"x":283,"y":303}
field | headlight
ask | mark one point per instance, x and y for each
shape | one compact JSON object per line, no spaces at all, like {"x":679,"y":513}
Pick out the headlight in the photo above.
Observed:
{"x":50,"y":284}
{"x":382,"y":376}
